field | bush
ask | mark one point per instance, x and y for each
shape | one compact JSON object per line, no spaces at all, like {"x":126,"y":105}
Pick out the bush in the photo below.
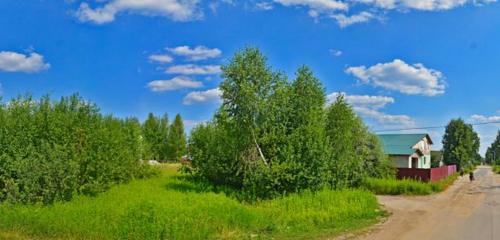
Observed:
{"x":496,"y":168}
{"x":406,"y":186}
{"x":51,"y":150}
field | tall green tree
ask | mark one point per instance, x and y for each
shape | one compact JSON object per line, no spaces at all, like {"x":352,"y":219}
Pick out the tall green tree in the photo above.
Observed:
{"x":345,"y":130}
{"x":269,"y":136}
{"x":493,"y":153}
{"x":460,"y":144}
{"x":163,"y":131}
{"x":176,"y":139}
{"x":151,"y":135}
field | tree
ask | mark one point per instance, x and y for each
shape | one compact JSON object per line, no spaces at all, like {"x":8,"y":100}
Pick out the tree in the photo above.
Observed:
{"x":155,"y":132}
{"x":176,"y":139}
{"x":163,"y":131}
{"x":151,"y":135}
{"x":346,"y":131}
{"x":493,"y":153}
{"x":460,"y":144}
{"x":271,"y":137}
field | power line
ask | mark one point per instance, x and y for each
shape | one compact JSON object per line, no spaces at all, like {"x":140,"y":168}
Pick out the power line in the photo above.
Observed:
{"x":433,"y":127}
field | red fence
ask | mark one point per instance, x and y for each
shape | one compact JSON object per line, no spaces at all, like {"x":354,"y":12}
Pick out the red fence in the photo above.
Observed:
{"x":426,"y":175}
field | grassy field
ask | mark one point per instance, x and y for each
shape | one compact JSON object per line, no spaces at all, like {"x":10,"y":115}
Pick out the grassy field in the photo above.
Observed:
{"x":170,"y":207}
{"x":406,"y":186}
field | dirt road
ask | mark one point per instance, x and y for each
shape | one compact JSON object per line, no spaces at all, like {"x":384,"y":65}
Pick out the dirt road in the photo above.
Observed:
{"x":464,"y":211}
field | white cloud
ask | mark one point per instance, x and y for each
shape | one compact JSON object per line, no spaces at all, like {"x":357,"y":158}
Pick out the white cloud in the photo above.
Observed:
{"x":369,"y":107}
{"x":17,"y":62}
{"x":192,"y":69}
{"x":318,"y":5}
{"x":197,"y":53}
{"x":483,"y":119}
{"x":345,"y":21}
{"x":336,"y":53}
{"x":370,"y":9}
{"x":200,"y":97}
{"x":175,"y":83}
{"x":413,"y":79}
{"x":161,"y":58}
{"x":368,"y":101}
{"x":384,"y":118}
{"x":177,"y":10}
{"x":266,"y":6}
{"x":421,"y":5}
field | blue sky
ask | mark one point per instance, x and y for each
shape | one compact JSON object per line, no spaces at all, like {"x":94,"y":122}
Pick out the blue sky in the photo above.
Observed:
{"x":401,"y":63}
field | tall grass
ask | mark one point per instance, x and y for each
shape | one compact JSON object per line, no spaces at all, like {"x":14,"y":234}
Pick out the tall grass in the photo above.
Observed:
{"x":496,"y":168}
{"x":406,"y":186}
{"x":169,"y":207}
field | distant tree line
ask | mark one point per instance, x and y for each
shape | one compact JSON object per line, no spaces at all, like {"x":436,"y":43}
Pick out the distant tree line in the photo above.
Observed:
{"x":272,"y":136}
{"x":163,"y":142}
{"x":493,"y":152}
{"x":51,"y":150}
{"x":461,"y":145}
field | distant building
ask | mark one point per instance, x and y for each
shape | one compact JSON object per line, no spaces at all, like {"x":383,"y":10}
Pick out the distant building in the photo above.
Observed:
{"x":408,"y":150}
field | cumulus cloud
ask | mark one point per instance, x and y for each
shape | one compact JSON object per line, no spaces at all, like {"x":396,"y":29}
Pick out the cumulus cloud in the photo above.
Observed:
{"x":370,"y":107}
{"x":192,"y":69}
{"x":177,"y":10}
{"x":399,"y":76}
{"x":201,"y":97}
{"x":421,"y":5}
{"x":345,"y":21}
{"x":368,"y":101}
{"x":266,"y":6}
{"x":318,"y":5}
{"x":197,"y":53}
{"x":483,"y":119}
{"x":17,"y":62}
{"x":161,"y":58}
{"x":175,"y":83}
{"x":369,"y":9}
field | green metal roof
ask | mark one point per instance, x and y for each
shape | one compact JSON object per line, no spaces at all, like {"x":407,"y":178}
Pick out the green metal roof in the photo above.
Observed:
{"x":401,"y":144}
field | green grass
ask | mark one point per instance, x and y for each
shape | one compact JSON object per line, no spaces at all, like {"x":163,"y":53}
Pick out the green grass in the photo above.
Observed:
{"x":496,"y":169}
{"x":170,"y":207}
{"x":406,"y":186}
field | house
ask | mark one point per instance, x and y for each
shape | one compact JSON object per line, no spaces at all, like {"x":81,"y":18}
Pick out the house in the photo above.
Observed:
{"x":408,"y":150}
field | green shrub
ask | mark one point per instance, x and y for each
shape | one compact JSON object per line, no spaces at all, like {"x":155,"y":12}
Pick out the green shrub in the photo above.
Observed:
{"x":406,"y":186}
{"x":496,"y":168}
{"x":51,"y":150}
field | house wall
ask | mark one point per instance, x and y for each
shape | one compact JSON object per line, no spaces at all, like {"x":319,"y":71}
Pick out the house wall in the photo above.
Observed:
{"x":424,"y":147}
{"x":401,"y":161}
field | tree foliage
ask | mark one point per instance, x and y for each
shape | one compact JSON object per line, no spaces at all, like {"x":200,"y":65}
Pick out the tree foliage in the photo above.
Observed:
{"x":493,"y":152}
{"x":176,"y":143}
{"x":460,"y":144}
{"x":51,"y":150}
{"x":272,"y":136}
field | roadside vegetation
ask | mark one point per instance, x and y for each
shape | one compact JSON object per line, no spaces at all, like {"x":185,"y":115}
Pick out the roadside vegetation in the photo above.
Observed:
{"x":406,"y":186}
{"x":461,"y":145}
{"x":170,"y":206}
{"x":493,"y":154}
